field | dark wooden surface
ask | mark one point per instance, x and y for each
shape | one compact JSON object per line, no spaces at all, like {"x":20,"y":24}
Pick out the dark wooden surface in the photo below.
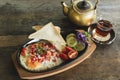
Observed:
{"x":18,"y":16}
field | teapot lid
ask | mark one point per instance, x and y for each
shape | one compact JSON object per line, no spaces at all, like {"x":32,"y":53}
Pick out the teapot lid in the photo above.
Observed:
{"x":82,"y":5}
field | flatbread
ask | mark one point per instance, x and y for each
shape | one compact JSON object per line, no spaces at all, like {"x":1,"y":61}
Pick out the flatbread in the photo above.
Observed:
{"x":50,"y":33}
{"x":38,"y":27}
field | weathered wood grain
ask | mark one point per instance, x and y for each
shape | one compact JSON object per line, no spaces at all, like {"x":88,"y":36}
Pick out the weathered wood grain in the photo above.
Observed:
{"x":11,"y":40}
{"x":18,"y":16}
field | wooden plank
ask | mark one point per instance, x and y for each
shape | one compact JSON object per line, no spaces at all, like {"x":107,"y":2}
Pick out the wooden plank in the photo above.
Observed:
{"x":11,"y":40}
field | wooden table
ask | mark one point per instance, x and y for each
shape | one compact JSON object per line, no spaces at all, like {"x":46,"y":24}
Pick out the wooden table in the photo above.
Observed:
{"x":18,"y":16}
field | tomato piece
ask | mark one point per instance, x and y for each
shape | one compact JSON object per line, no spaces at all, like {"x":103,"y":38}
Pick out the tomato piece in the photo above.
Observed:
{"x":57,"y":55}
{"x":34,"y":58}
{"x":69,"y":52}
{"x":23,"y":52}
{"x":67,"y":49}
{"x":51,"y":46}
{"x":43,"y":45}
{"x":63,"y":56}
{"x":72,"y":54}
{"x":32,"y":46}
{"x":49,"y":53}
{"x":32,"y":51}
{"x":40,"y":60}
{"x":43,"y":54}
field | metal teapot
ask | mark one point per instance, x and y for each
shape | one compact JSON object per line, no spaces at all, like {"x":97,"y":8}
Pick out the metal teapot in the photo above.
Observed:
{"x":81,"y":12}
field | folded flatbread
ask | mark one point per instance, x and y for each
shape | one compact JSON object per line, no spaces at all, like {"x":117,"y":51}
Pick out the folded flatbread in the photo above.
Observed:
{"x":38,"y":27}
{"x":50,"y":33}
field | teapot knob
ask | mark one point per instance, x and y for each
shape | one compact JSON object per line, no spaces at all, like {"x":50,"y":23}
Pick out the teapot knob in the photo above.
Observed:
{"x":83,"y":5}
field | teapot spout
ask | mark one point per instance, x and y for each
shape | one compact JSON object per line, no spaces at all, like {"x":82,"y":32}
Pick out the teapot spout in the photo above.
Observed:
{"x":65,"y":8}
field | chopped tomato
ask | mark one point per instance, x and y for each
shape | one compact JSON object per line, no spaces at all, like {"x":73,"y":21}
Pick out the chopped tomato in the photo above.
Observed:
{"x":43,"y":44}
{"x":57,"y":55}
{"x":34,"y":58}
{"x":64,"y":56}
{"x":23,"y":52}
{"x":43,"y":54}
{"x":49,"y":53}
{"x":33,"y":50}
{"x":67,"y":50}
{"x":68,"y":53}
{"x":72,"y":54}
{"x":32,"y":46}
{"x":40,"y":60}
{"x":51,"y":46}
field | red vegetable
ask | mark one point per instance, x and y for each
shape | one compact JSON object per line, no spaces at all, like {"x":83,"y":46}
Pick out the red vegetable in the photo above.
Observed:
{"x":41,"y":59}
{"x":67,"y":50}
{"x":23,"y":51}
{"x":32,"y":49}
{"x":64,"y":56}
{"x":51,"y":46}
{"x":34,"y":58}
{"x":68,"y":53}
{"x":43,"y":54}
{"x":72,"y":54}
{"x":32,"y":46}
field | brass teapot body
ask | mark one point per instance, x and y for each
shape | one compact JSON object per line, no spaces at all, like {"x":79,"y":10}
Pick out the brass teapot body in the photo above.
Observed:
{"x":79,"y":14}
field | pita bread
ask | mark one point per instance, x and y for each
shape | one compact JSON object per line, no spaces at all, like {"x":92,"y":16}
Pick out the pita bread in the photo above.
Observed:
{"x":38,"y":27}
{"x":50,"y":33}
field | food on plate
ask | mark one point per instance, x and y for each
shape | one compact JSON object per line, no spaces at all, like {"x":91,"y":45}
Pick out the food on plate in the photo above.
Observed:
{"x":68,"y":53}
{"x":72,"y":41}
{"x":50,"y":33}
{"x":50,"y":49}
{"x":84,"y":37}
{"x":43,"y":55}
{"x":70,"y":35}
{"x":80,"y":46}
{"x":40,"y":56}
{"x":78,"y":41}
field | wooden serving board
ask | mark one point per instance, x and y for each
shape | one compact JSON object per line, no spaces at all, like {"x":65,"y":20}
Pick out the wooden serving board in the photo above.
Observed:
{"x":29,"y":75}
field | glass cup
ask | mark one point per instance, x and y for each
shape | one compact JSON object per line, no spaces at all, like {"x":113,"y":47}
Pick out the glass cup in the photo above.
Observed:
{"x":103,"y":27}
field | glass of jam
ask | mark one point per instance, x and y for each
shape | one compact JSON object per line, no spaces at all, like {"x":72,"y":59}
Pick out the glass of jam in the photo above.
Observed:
{"x":103,"y":27}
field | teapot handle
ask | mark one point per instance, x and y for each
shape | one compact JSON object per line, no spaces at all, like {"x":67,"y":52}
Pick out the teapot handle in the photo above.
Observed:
{"x":71,"y":1}
{"x":96,"y":4}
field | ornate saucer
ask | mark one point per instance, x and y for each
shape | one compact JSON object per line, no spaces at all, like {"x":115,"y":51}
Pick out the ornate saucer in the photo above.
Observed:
{"x":101,"y":40}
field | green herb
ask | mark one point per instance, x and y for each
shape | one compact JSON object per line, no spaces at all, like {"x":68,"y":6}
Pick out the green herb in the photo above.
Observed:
{"x":39,"y":50}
